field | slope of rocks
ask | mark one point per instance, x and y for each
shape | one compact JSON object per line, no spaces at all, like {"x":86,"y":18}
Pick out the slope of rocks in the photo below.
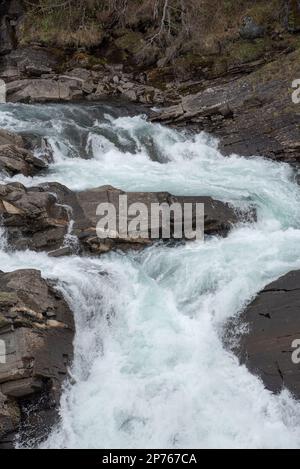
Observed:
{"x":252,"y":115}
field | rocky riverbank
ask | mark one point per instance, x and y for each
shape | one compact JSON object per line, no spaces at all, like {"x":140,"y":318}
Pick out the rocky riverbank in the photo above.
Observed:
{"x":239,"y":90}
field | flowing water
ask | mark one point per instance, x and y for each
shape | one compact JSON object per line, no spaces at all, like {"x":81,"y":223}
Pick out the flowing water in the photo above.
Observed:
{"x":150,"y":368}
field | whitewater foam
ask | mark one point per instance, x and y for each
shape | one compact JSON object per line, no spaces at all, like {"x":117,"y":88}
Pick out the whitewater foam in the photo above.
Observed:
{"x":150,"y":368}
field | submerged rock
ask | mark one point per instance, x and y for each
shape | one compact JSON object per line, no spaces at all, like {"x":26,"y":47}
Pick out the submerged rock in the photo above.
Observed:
{"x":50,"y":217}
{"x":273,"y":326}
{"x":37,"y":329}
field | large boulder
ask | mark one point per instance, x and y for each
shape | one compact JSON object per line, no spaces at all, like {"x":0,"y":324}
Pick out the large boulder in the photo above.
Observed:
{"x":36,"y":333}
{"x":30,"y":62}
{"x":273,"y":324}
{"x":52,"y":218}
{"x":33,"y":217}
{"x":42,"y":90}
{"x":218,"y":217}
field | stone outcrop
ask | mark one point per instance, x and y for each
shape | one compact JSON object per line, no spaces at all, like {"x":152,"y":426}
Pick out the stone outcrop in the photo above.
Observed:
{"x":15,"y":159}
{"x":33,"y":217}
{"x":36,"y":335}
{"x":273,"y":323}
{"x":252,"y":115}
{"x":31,"y":76}
{"x":52,"y":218}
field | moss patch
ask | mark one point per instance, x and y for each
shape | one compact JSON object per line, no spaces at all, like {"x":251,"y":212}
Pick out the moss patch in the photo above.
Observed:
{"x":131,"y":42}
{"x":245,"y":51}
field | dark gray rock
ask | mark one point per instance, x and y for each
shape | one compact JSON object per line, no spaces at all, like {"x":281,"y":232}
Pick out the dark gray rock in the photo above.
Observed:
{"x":252,"y":115}
{"x":37,"y":328}
{"x":33,"y":217}
{"x":39,"y":218}
{"x":273,"y":321}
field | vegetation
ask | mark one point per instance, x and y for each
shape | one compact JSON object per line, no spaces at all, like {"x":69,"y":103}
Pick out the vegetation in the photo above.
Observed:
{"x":189,"y":35}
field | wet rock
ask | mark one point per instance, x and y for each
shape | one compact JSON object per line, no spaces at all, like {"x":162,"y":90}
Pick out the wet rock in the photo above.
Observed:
{"x":218,"y":219}
{"x":273,"y":323}
{"x":39,"y":218}
{"x":252,"y":115}
{"x":33,"y":217}
{"x":37,"y":328}
{"x":10,"y":138}
{"x":15,"y":160}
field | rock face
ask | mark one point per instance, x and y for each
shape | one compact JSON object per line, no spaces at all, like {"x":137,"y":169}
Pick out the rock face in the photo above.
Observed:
{"x":52,"y":218}
{"x":15,"y":159}
{"x":33,"y":217}
{"x":36,"y":334}
{"x":273,"y":321}
{"x":252,"y":115}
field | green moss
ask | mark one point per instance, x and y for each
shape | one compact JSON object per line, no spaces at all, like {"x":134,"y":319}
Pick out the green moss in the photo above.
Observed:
{"x":245,"y":51}
{"x":130,"y":42}
{"x":8,"y":297}
{"x":3,"y":322}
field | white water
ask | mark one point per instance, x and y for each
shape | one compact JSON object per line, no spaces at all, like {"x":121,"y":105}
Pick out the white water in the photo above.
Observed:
{"x":150,"y":367}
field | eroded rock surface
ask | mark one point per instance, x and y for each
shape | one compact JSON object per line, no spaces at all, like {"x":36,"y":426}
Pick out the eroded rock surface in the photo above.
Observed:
{"x":273,"y":320}
{"x":36,"y":328}
{"x":15,"y":158}
{"x":252,"y":115}
{"x":52,"y":218}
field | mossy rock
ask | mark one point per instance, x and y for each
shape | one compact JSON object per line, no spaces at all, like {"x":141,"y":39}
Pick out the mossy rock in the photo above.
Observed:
{"x":242,"y":52}
{"x":130,"y":42}
{"x":8,"y":298}
{"x":187,"y":66}
{"x":4,"y":322}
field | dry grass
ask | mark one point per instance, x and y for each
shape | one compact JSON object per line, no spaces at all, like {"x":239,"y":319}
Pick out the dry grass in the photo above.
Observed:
{"x":202,"y":22}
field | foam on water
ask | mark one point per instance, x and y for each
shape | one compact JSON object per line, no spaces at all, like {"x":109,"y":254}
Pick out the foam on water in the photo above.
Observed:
{"x":150,"y":367}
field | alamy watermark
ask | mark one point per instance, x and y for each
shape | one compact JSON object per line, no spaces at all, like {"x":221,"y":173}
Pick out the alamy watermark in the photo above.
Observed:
{"x":2,"y":352}
{"x":296,"y":353}
{"x":150,"y":221}
{"x":296,"y":93}
{"x":2,"y":92}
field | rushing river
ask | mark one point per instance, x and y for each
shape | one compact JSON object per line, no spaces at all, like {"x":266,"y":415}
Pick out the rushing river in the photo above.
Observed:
{"x":150,"y":368}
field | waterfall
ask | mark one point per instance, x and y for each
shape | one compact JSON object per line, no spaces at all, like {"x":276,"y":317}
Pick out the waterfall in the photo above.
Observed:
{"x":150,"y":368}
